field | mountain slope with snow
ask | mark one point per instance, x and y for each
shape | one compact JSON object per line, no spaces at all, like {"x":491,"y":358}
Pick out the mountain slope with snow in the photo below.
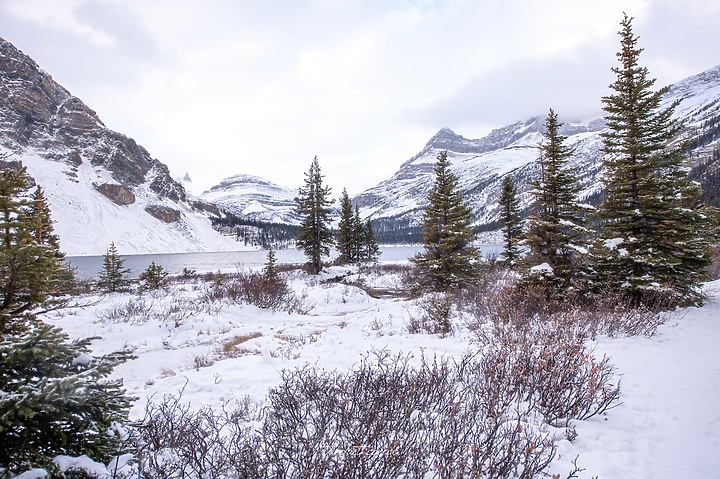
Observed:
{"x":512,"y":150}
{"x":102,"y":186}
{"x":255,"y":199}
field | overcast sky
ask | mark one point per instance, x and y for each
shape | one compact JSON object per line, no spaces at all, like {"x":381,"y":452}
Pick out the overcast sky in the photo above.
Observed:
{"x":220,"y":87}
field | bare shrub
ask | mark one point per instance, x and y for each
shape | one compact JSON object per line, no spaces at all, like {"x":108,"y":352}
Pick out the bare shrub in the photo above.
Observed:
{"x":135,"y":311}
{"x":385,"y":419}
{"x":256,"y":289}
{"x":173,"y":440}
{"x":178,"y":311}
{"x":550,"y":367}
{"x":138,"y":310}
{"x":593,"y":314}
{"x":202,"y":361}
{"x":434,"y":317}
{"x":484,"y":432}
{"x":404,"y":272}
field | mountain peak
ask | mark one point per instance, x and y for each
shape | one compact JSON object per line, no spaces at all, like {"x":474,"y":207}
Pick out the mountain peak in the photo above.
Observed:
{"x":444,"y":137}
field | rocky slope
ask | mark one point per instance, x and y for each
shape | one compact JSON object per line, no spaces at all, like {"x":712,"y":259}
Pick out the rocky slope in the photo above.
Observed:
{"x":397,"y":203}
{"x":102,"y":186}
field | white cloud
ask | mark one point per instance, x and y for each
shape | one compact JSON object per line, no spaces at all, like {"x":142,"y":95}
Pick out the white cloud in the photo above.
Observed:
{"x":224,"y":87}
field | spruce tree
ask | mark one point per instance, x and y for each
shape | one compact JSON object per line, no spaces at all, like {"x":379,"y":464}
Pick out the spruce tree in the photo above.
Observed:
{"x":370,"y":249}
{"x":449,"y":259}
{"x":347,"y":231}
{"x":511,"y":222}
{"x":114,"y":276}
{"x":56,"y":398}
{"x":30,"y":260}
{"x":555,"y":227}
{"x":358,"y":235}
{"x":270,"y":268}
{"x":62,"y":280}
{"x":314,"y":202}
{"x":655,"y":232}
{"x":154,"y":277}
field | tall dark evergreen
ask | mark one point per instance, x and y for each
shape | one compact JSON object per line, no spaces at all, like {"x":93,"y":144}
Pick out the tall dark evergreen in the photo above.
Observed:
{"x":314,"y":202}
{"x":56,"y":399}
{"x":30,"y":261}
{"x":555,"y":227}
{"x":114,"y":275}
{"x":370,"y":249}
{"x":449,"y":259}
{"x":655,"y":232}
{"x":347,"y":236}
{"x":358,"y":234}
{"x":511,"y":222}
{"x":270,"y":268}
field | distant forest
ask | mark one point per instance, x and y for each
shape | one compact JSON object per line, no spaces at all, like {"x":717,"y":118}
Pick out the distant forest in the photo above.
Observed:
{"x":257,"y":233}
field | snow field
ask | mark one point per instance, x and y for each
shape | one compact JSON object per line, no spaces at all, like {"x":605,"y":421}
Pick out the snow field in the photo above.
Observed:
{"x":666,"y":426}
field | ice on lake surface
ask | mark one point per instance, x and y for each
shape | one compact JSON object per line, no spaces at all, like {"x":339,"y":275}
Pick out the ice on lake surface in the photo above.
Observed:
{"x":230,"y":261}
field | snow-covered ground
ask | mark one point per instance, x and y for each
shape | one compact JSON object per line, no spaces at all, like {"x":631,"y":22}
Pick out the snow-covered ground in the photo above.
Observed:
{"x":668,"y":425}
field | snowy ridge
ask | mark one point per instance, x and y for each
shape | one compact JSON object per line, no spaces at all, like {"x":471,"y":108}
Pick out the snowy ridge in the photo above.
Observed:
{"x":254,"y":198}
{"x":481,"y":164}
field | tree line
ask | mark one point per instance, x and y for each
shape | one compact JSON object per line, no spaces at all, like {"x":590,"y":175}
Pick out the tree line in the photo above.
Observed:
{"x":653,"y":239}
{"x":355,"y":239}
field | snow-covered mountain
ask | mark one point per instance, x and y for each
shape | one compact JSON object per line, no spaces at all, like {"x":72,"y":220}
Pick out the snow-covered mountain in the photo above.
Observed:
{"x":481,"y":164}
{"x":255,"y":199}
{"x":102,"y":186}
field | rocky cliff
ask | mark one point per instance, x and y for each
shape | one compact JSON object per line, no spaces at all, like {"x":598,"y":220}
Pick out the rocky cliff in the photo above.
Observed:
{"x":102,"y":185}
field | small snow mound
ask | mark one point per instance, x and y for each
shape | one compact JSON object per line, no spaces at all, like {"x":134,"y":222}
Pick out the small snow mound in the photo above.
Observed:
{"x":83,"y":463}
{"x":32,"y":474}
{"x":543,"y":268}
{"x":83,"y":359}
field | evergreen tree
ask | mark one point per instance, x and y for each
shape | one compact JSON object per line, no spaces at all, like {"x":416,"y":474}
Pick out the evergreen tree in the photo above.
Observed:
{"x":655,"y":232}
{"x":153,"y":277}
{"x":449,"y":259}
{"x":30,"y":260}
{"x":347,"y":231}
{"x":370,"y":248}
{"x":113,"y":277}
{"x":314,"y":202}
{"x":358,"y":234}
{"x":555,"y":227}
{"x":62,"y":279}
{"x":511,"y":221}
{"x":56,"y":398}
{"x":270,"y":268}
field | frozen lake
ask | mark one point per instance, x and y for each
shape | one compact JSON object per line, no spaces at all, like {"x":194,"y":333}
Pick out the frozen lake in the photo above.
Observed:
{"x":230,"y":261}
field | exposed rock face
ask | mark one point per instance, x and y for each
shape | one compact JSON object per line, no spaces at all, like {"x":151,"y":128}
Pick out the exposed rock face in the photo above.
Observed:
{"x":117,"y":193}
{"x":206,"y":207}
{"x":102,"y":186}
{"x":164,"y":213}
{"x":37,"y":113}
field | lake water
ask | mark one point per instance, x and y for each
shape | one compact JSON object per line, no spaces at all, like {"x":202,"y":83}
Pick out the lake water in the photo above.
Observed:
{"x":229,"y":261}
